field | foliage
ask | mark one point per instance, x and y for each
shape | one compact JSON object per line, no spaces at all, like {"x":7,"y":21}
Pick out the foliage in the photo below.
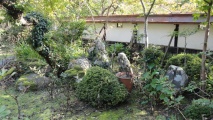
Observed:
{"x":65,"y":42}
{"x":158,"y":87}
{"x":100,"y":88}
{"x":53,"y":48}
{"x":57,"y":10}
{"x":152,"y":55}
{"x":71,"y":31}
{"x":189,"y":62}
{"x":4,"y":112}
{"x":116,"y":48}
{"x":28,"y":59}
{"x":25,"y":52}
{"x":12,"y":33}
{"x":41,"y":26}
{"x":198,"y":108}
{"x":4,"y":72}
{"x":71,"y":76}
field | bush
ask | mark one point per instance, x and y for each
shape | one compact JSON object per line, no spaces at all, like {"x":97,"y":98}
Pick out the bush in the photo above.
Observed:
{"x":152,"y":55}
{"x":25,"y":52}
{"x":198,"y":108}
{"x":192,"y":67}
{"x":101,"y":88}
{"x":117,"y":48}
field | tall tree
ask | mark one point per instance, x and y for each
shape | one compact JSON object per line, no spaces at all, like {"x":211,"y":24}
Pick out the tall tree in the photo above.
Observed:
{"x":206,"y":7}
{"x":146,"y":15}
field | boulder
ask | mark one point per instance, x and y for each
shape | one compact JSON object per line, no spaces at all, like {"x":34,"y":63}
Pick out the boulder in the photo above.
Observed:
{"x":32,"y":82}
{"x":75,"y":73}
{"x":98,"y":54}
{"x":84,"y":63}
{"x":178,"y":77}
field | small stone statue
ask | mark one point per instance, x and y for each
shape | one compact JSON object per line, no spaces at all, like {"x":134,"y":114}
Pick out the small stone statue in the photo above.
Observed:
{"x":124,"y":63}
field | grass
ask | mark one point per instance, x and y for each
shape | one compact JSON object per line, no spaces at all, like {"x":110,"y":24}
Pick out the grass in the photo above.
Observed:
{"x":34,"y":105}
{"x":38,"y":106}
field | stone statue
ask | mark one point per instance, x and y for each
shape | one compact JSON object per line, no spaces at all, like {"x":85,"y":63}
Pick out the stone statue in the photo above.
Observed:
{"x":124,"y":63}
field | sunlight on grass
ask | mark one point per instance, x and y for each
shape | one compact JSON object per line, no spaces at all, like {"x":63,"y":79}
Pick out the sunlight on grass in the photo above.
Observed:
{"x":142,"y":113}
{"x":5,"y":96}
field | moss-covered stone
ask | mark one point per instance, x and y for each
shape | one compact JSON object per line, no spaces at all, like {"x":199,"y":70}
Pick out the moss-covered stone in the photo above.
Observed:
{"x":23,"y":81}
{"x":32,"y":82}
{"x":74,"y":72}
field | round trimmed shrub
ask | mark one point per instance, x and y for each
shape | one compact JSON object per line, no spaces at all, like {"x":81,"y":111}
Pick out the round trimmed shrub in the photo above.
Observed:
{"x":192,"y":67}
{"x":199,"y":108}
{"x":152,"y":55}
{"x":100,"y":87}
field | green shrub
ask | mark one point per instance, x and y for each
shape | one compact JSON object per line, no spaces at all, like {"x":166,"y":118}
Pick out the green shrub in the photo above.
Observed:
{"x":198,"y":108}
{"x":192,"y":67}
{"x":101,"y":88}
{"x":4,"y":112}
{"x":117,"y":48}
{"x":24,"y":52}
{"x":152,"y":55}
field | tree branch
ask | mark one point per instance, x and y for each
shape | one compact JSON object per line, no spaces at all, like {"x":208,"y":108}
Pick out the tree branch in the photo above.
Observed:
{"x":143,"y":6}
{"x":151,"y":8}
{"x":14,"y":12}
{"x":206,"y":1}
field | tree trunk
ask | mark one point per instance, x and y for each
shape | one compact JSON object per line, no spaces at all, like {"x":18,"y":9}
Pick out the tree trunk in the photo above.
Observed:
{"x":146,"y":33}
{"x":146,"y":21}
{"x":203,"y":70}
{"x":14,"y":12}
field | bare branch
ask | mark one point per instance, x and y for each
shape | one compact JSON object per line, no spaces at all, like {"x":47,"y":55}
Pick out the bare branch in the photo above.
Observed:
{"x":143,"y":6}
{"x":91,"y":15}
{"x":206,"y":1}
{"x":151,"y":8}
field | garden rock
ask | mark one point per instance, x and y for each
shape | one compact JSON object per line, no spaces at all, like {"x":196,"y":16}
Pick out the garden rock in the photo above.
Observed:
{"x":98,"y":54}
{"x":124,"y":63}
{"x":6,"y":61}
{"x":178,"y":77}
{"x":84,"y":63}
{"x":32,"y":82}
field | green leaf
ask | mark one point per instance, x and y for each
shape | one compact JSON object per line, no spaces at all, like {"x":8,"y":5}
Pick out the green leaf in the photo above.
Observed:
{"x":4,"y":112}
{"x":145,"y":75}
{"x":2,"y":108}
{"x":153,"y":84}
{"x":162,"y":96}
{"x":166,"y":99}
{"x":150,"y":66}
{"x":159,"y":87}
{"x":153,"y":93}
{"x":179,"y":98}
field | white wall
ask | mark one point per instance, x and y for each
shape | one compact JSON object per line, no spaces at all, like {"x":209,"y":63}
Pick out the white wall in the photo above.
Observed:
{"x":119,"y":34}
{"x":159,"y":34}
{"x":195,"y":41}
